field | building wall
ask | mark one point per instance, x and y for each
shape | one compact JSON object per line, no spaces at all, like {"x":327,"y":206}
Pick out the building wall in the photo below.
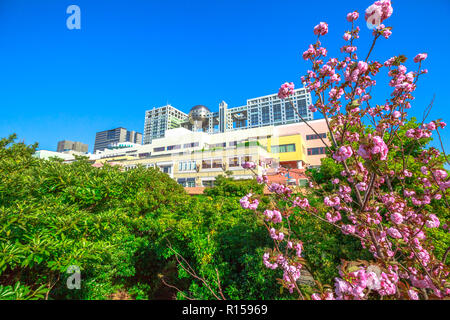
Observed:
{"x":304,"y":130}
{"x":288,"y":140}
{"x":104,"y":138}
{"x":180,"y":164}
{"x":66,"y":145}
{"x":183,"y":145}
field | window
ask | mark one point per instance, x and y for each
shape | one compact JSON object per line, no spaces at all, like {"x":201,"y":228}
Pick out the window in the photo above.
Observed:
{"x":206,"y":164}
{"x":289,"y":111}
{"x":265,"y":115}
{"x":232,"y":143}
{"x":254,"y":118}
{"x":187,"y":166}
{"x":246,"y":159}
{"x":176,"y":147}
{"x":316,"y":151}
{"x":283,"y":148}
{"x":166,"y":169}
{"x":190,"y":182}
{"x":208,"y":183}
{"x":191,"y":145}
{"x":217,"y":163}
{"x":159,"y":149}
{"x":111,"y":134}
{"x":316,"y":136}
{"x":233,"y":162}
{"x":276,"y":112}
{"x":144,"y":155}
{"x":219,"y":145}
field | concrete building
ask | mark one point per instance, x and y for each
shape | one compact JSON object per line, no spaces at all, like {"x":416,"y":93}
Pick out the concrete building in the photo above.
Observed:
{"x":104,"y":139}
{"x":194,"y":158}
{"x":66,"y":145}
{"x":258,"y":112}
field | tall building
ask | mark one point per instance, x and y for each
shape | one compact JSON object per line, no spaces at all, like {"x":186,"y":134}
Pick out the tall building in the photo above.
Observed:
{"x":263,"y":111}
{"x":66,"y":145}
{"x":105,"y":139}
{"x":158,"y":120}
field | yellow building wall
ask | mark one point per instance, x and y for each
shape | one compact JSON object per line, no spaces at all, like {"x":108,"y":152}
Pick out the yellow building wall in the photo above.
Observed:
{"x":297,"y":155}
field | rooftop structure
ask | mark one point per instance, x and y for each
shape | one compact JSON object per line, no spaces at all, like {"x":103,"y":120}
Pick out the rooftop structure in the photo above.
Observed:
{"x":66,"y":146}
{"x":263,"y":111}
{"x":105,"y":139}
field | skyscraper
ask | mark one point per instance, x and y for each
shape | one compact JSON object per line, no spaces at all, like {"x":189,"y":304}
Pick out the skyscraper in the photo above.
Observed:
{"x":104,"y":139}
{"x":66,"y":145}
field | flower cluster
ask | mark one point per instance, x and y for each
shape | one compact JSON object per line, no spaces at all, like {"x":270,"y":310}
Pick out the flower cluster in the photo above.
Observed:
{"x":286,"y":90}
{"x":380,"y":198}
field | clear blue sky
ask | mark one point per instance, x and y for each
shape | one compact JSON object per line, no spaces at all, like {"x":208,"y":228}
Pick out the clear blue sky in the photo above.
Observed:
{"x":131,"y":55}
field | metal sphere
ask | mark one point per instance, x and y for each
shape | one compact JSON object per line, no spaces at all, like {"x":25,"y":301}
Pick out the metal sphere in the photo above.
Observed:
{"x":198,"y":115}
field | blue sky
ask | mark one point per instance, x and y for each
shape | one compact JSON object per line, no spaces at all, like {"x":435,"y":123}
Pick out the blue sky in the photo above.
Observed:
{"x":132,"y":55}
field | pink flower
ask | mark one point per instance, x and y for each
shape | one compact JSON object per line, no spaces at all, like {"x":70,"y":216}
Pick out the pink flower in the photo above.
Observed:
{"x":316,"y":296}
{"x":433,"y":221}
{"x":352,"y":16}
{"x":362,"y":186}
{"x":266,"y":262}
{"x":274,"y":216}
{"x":321,"y":29}
{"x":396,"y":114}
{"x":249,"y":165}
{"x":347,"y":36}
{"x":413,"y":295}
{"x":286,"y":90}
{"x":246,"y":204}
{"x":262,"y":179}
{"x":378,"y":12}
{"x":301,"y":203}
{"x":343,"y":153}
{"x":378,"y":147}
{"x":396,"y":218}
{"x":420,"y":57}
{"x":387,"y":33}
{"x":394,"y":233}
{"x":333,"y":218}
{"x":348,"y":229}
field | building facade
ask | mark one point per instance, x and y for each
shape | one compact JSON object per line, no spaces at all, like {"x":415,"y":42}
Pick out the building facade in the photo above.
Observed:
{"x":105,"y":139}
{"x":196,"y":158}
{"x":66,"y":145}
{"x":263,"y":111}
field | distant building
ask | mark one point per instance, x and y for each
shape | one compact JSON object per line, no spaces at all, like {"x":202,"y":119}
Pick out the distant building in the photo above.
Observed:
{"x":66,"y":145}
{"x":105,"y":139}
{"x":262,"y":111}
{"x":46,"y":154}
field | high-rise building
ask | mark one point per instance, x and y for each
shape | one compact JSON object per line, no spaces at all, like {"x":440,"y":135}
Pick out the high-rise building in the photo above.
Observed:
{"x":158,"y":120}
{"x":263,"y":111}
{"x":105,"y":139}
{"x":66,"y":145}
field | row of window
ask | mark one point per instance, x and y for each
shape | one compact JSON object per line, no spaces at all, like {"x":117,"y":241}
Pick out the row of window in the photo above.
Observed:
{"x":176,"y":147}
{"x":233,"y":162}
{"x":316,"y":136}
{"x":283,"y":148}
{"x":187,"y":166}
{"x":187,"y":182}
{"x":316,"y":151}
